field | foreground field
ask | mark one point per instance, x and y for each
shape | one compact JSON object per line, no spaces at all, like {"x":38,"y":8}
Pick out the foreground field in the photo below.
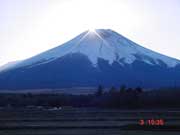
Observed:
{"x":83,"y":121}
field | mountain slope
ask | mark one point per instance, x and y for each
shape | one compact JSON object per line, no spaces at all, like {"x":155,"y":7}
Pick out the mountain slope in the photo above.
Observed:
{"x":92,"y":58}
{"x":105,"y":44}
{"x":9,"y":65}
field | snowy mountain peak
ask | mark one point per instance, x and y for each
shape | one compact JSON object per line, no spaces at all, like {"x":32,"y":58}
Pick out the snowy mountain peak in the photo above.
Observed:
{"x":105,"y":44}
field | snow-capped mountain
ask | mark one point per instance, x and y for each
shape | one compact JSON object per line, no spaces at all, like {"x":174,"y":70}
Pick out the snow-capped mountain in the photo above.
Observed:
{"x":94,"y":57}
{"x":105,"y":44}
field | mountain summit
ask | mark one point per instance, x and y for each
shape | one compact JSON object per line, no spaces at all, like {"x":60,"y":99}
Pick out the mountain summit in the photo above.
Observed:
{"x":92,"y":58}
{"x":105,"y":44}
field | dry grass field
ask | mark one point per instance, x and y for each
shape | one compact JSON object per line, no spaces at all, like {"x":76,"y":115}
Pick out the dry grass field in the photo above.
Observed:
{"x":85,"y":121}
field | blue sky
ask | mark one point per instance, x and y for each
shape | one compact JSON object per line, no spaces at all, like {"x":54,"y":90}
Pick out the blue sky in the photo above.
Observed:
{"x":28,"y":27}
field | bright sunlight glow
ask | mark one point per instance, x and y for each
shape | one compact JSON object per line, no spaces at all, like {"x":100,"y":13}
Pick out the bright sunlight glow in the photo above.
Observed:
{"x":92,"y":30}
{"x":30,"y":27}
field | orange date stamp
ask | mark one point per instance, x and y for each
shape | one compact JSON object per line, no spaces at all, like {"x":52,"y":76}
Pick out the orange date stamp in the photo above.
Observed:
{"x":152,"y":122}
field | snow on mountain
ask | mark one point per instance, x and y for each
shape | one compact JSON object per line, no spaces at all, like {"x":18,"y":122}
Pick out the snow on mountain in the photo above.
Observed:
{"x":105,"y":44}
{"x":9,"y":65}
{"x":92,"y":58}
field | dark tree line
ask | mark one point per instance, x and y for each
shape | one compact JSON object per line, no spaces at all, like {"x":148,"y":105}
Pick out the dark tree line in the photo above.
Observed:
{"x":122,"y":97}
{"x":119,"y":98}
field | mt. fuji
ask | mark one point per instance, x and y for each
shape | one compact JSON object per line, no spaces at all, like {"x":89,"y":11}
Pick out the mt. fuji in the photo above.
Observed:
{"x":90,"y":59}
